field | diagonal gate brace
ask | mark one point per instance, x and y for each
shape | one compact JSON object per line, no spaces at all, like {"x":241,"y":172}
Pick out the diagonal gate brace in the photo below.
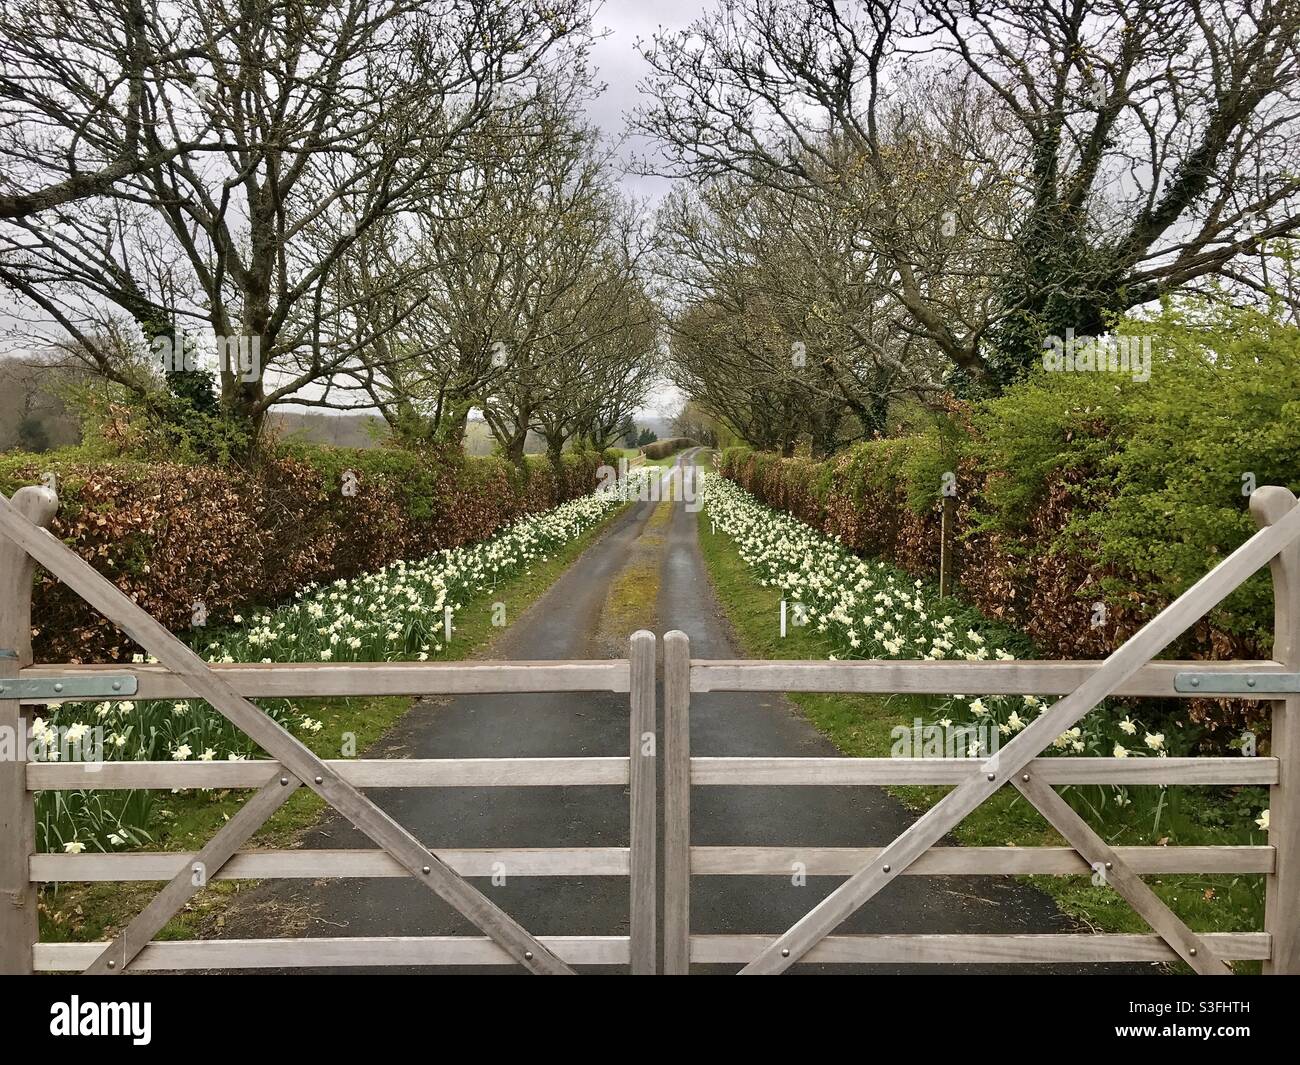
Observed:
{"x":1101,"y":856}
{"x":941,"y":818}
{"x":195,"y":874}
{"x":297,"y":759}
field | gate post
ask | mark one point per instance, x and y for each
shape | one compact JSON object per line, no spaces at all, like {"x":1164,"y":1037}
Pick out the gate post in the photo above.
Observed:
{"x":1268,"y":505}
{"x":677,"y":803}
{"x":19,"y":929}
{"x":643,"y":812}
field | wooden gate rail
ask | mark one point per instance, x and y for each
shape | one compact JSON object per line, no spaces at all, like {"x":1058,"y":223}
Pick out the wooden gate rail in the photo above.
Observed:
{"x":289,"y":679}
{"x":1154,"y":679}
{"x":180,"y":955}
{"x":1129,"y":671}
{"x":181,"y":673}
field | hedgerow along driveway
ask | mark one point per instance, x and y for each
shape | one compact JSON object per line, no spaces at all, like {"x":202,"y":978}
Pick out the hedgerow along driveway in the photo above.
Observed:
{"x":569,"y":622}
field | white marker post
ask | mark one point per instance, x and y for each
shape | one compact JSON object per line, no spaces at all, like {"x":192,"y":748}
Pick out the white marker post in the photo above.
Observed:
{"x":783,"y":619}
{"x":446,"y":623}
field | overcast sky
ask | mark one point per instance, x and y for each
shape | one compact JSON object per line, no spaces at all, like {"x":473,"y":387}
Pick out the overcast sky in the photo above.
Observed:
{"x":620,"y":66}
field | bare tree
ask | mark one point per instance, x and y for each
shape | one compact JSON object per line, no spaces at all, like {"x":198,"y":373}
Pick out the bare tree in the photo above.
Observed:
{"x":535,"y":314}
{"x":604,"y":358}
{"x":786,"y":304}
{"x":330,"y":117}
{"x":79,"y":88}
{"x":1139,"y":146}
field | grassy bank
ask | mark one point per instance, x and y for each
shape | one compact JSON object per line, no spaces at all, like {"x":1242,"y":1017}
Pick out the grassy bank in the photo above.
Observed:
{"x":861,"y":726}
{"x":82,"y":912}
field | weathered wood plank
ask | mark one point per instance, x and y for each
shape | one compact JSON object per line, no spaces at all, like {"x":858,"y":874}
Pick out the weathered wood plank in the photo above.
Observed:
{"x":19,"y":927}
{"x":18,"y":921}
{"x":927,"y":830}
{"x":301,"y":679}
{"x":974,"y":861}
{"x":643,"y":883}
{"x":1103,"y":858}
{"x":323,"y":864}
{"x":613,"y":950}
{"x":1269,"y":505}
{"x":677,"y":803}
{"x":37,"y":505}
{"x":614,"y":861}
{"x":943,"y":678}
{"x":188,"y":879}
{"x":295,"y":757}
{"x":1064,"y":770}
{"x":551,"y":772}
{"x":979,"y":949}
{"x":178,"y":955}
{"x":360,"y":773}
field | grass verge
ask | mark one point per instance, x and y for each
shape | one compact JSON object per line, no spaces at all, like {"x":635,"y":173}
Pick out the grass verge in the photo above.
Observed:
{"x":83,"y":912}
{"x":860,"y":725}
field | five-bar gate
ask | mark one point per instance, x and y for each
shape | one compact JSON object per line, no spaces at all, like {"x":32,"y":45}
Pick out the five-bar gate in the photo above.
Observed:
{"x":1130,"y":670}
{"x":181,"y":673}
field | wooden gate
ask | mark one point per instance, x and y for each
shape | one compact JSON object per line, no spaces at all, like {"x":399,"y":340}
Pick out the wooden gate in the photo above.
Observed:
{"x":1128,"y":671}
{"x":182,"y":674}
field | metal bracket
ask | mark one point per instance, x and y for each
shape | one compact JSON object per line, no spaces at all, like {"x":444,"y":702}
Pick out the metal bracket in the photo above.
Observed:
{"x":68,"y":689}
{"x":1237,"y":683}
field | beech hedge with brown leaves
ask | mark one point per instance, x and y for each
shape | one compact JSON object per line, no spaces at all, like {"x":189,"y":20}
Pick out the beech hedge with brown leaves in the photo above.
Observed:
{"x":184,"y":539}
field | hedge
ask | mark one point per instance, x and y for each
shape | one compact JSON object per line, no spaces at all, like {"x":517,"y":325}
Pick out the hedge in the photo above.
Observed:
{"x":1082,"y":488}
{"x":171,"y":535}
{"x":663,"y":448}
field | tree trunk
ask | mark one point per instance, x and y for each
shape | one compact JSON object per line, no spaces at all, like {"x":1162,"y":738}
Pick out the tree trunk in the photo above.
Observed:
{"x":455,"y":420}
{"x":514,"y":449}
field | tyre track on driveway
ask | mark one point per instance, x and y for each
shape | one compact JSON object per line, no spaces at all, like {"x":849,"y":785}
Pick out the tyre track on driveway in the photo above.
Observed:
{"x":573,"y":620}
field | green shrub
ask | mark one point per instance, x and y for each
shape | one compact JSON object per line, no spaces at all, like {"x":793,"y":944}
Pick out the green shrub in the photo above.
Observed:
{"x":1079,"y":488}
{"x":1158,"y":472}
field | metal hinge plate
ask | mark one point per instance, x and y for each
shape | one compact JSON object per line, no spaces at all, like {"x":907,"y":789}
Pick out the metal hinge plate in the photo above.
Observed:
{"x":1238,"y":683}
{"x":68,"y":689}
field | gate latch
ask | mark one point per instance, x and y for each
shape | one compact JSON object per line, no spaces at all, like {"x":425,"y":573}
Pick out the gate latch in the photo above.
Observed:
{"x":68,"y":688}
{"x":1238,"y":683}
